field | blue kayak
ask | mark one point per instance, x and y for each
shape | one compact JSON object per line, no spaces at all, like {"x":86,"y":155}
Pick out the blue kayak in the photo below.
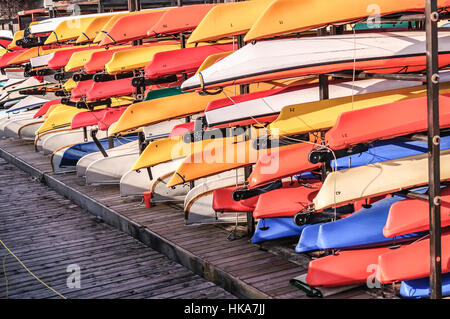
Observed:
{"x":363,"y":228}
{"x":75,"y":152}
{"x":275,"y":228}
{"x":420,"y":288}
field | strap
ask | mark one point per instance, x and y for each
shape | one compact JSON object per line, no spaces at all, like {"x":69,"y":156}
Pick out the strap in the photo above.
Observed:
{"x":310,"y":291}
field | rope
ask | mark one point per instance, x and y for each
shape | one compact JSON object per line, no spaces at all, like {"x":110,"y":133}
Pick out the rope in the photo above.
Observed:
{"x":26,"y":268}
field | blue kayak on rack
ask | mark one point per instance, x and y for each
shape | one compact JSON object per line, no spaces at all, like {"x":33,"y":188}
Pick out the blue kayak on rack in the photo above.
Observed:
{"x":363,"y":228}
{"x":420,"y":288}
{"x":275,"y":228}
{"x":72,"y":155}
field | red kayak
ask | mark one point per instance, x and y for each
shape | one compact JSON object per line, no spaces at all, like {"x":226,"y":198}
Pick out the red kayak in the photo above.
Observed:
{"x":181,"y":129}
{"x":412,"y":261}
{"x":98,"y":60}
{"x":350,"y":267}
{"x":103,"y":90}
{"x":186,"y":60}
{"x":111,"y":116}
{"x":60,"y":58}
{"x":180,"y":19}
{"x":8,"y":56}
{"x":44,"y":108}
{"x":132,"y":27}
{"x":81,"y":89}
{"x":96,"y":117}
{"x":223,"y":201}
{"x":295,"y":197}
{"x":411,"y":215}
{"x":385,"y":121}
{"x":283,"y":163}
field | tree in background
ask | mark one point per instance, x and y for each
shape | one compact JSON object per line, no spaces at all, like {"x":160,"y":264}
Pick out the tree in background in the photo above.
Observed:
{"x":9,"y":8}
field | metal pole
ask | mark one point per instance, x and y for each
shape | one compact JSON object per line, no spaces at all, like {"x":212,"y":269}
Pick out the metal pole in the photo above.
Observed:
{"x":101,"y":7}
{"x":431,"y":18}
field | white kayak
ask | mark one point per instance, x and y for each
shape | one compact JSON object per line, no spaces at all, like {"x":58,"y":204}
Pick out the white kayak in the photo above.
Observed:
{"x":22,"y":128}
{"x":29,"y":102}
{"x":5,"y":119}
{"x":267,"y":57}
{"x":198,"y":204}
{"x":41,"y":60}
{"x":53,"y":142}
{"x":109,"y":170}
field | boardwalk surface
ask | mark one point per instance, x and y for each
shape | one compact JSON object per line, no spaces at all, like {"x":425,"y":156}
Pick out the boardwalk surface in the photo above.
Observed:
{"x":52,"y":236}
{"x":240,"y":267}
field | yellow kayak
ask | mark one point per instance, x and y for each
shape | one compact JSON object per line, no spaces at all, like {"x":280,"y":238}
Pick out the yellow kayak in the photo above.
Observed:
{"x":129,"y":60}
{"x":219,"y":156}
{"x":212,"y":59}
{"x":93,"y":29}
{"x":307,"y":117}
{"x":60,"y":116}
{"x":17,"y":36}
{"x":80,"y":58}
{"x":69,"y":85}
{"x":71,"y":29}
{"x":228,"y":19}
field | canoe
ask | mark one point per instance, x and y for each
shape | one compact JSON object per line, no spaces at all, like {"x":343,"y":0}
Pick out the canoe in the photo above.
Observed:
{"x":384,"y":121}
{"x":132,"y":27}
{"x":216,"y":158}
{"x":198,"y":204}
{"x":402,"y":264}
{"x":180,"y":19}
{"x":266,"y":60}
{"x":351,"y":184}
{"x":162,"y":109}
{"x":345,"y":267}
{"x":302,"y":118}
{"x":134,"y":183}
{"x":411,"y":215}
{"x":104,"y":90}
{"x":363,"y":228}
{"x":420,"y":288}
{"x":186,"y":60}
{"x":269,"y":229}
{"x":227,"y":20}
{"x":265,"y":106}
{"x":296,"y":198}
{"x":129,"y":60}
{"x":289,"y":16}
{"x":84,"y":161}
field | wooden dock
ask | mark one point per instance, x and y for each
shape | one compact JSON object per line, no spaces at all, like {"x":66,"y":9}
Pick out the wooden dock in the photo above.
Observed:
{"x":52,"y":237}
{"x":245,"y":270}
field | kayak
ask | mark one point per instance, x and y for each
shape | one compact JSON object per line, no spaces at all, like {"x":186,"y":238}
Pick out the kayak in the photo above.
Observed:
{"x":384,"y":121}
{"x":61,"y":58}
{"x":351,"y":184}
{"x":302,"y":118}
{"x":411,"y":215}
{"x":80,"y":58}
{"x":269,"y":229}
{"x":347,"y":267}
{"x":93,"y":28}
{"x":186,"y":60}
{"x":363,"y":228}
{"x":420,"y":288}
{"x":162,"y":109}
{"x":129,"y":60}
{"x":99,"y":58}
{"x":198,"y":204}
{"x":402,"y":264}
{"x":93,"y":117}
{"x":227,"y":20}
{"x":267,"y":60}
{"x":265,"y":106}
{"x":84,"y":161}
{"x":81,"y":89}
{"x":213,"y":58}
{"x":223,"y":201}
{"x":132,"y":27}
{"x":54,"y":140}
{"x":180,"y":19}
{"x":296,"y":197}
{"x":8,"y":56}
{"x":60,"y":117}
{"x":18,"y":35}
{"x":289,"y":16}
{"x":28,"y":102}
{"x":104,"y":90}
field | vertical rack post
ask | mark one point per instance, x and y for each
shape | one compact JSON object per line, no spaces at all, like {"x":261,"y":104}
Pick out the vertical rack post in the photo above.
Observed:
{"x":431,"y":18}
